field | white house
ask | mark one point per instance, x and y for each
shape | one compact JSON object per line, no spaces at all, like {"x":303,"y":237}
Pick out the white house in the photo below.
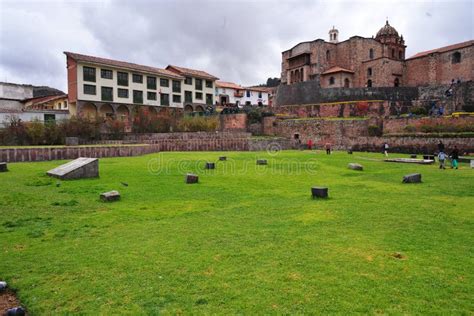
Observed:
{"x":229,"y":93}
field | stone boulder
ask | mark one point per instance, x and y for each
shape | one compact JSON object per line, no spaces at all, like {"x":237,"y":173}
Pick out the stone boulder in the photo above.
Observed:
{"x":191,"y":178}
{"x":412,"y":178}
{"x":223,"y":158}
{"x":72,"y":141}
{"x":261,"y":162}
{"x":110,"y":196}
{"x":210,"y":165}
{"x":355,"y":166}
{"x":413,"y":156}
{"x":319,"y":192}
{"x":3,"y":167}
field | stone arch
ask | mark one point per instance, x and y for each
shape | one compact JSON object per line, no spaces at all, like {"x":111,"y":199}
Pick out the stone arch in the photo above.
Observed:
{"x":369,"y":83}
{"x":123,"y":113}
{"x":188,"y":108}
{"x":297,"y":75}
{"x":456,"y":59}
{"x":89,"y":110}
{"x":106,"y":110}
{"x":199,"y":108}
{"x":332,"y":81}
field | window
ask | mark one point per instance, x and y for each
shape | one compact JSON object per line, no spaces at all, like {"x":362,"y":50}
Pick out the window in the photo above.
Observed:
{"x":371,"y":53}
{"x":198,"y":84}
{"x":106,"y":73}
{"x":107,"y":94}
{"x":122,"y":93}
{"x":164,"y":99}
{"x":89,"y":89}
{"x":49,"y":118}
{"x":208,"y":84}
{"x":396,"y":82}
{"x":247,"y":93}
{"x":188,"y":80}
{"x":331,"y":81}
{"x":151,"y":82}
{"x":137,"y":78}
{"x":400,"y":55}
{"x":209,"y":98}
{"x":164,"y":82}
{"x":188,"y":96}
{"x":456,"y":58}
{"x":369,"y":71}
{"x":393,"y":53}
{"x":328,"y":55}
{"x":137,"y":96}
{"x":88,"y":74}
{"x":122,"y":78}
{"x":151,"y":95}
{"x":369,"y":83}
{"x":176,"y":86}
{"x":260,"y":94}
{"x":347,"y":83}
{"x":176,"y":98}
{"x":198,"y":96}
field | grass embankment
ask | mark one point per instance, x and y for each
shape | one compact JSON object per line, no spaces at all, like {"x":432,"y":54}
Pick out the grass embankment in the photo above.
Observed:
{"x":244,"y":240}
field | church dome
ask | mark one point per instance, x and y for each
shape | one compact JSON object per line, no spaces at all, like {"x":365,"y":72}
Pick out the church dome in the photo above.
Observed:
{"x":387,"y":30}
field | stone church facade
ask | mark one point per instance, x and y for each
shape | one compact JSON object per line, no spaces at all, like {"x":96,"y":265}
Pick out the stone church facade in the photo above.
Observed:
{"x":374,"y":62}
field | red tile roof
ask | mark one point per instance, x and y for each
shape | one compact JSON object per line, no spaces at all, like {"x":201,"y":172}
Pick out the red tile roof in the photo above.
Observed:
{"x":443,"y":49}
{"x":123,"y":64}
{"x":191,"y":72}
{"x":40,"y":100}
{"x":229,"y":85}
{"x":336,"y":69}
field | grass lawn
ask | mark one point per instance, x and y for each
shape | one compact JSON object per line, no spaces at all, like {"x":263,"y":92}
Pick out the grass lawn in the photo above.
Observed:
{"x":246,"y":239}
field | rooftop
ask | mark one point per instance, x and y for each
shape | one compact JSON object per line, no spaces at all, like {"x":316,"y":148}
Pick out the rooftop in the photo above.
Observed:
{"x":336,"y":69}
{"x":191,"y":72}
{"x":122,"y":64}
{"x":443,"y":49}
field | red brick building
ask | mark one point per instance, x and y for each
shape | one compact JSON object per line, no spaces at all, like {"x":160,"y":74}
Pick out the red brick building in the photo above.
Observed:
{"x":374,"y":62}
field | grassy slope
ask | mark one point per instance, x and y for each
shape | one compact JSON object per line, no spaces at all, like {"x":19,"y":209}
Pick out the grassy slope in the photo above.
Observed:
{"x":244,"y":241}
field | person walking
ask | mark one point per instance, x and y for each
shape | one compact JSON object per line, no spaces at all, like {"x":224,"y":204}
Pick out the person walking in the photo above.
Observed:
{"x":328,"y":148}
{"x":454,"y":157}
{"x":385,"y":149}
{"x":442,"y":160}
{"x":310,"y":144}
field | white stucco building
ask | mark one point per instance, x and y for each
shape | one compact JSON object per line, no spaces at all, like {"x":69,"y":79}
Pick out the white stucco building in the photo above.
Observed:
{"x":229,"y":93}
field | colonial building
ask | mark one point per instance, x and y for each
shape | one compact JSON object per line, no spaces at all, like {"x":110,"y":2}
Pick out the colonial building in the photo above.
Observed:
{"x":374,"y":62}
{"x":52,"y":102}
{"x":198,"y":88}
{"x":114,"y":88}
{"x":229,"y":93}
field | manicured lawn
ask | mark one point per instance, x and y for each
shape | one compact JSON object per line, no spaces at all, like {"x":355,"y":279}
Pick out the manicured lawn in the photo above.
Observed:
{"x":244,"y":240}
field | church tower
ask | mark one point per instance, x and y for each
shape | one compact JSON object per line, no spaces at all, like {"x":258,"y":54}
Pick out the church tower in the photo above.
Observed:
{"x":333,"y":35}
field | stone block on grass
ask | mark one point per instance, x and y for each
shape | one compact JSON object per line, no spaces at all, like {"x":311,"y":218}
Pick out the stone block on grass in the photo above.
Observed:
{"x":319,"y":192}
{"x":3,"y":167}
{"x":262,"y":162}
{"x":77,"y":169}
{"x":191,"y":178}
{"x":110,"y":196}
{"x":223,"y":158}
{"x":413,"y":156}
{"x":210,"y":165}
{"x":355,"y":166}
{"x":412,"y":178}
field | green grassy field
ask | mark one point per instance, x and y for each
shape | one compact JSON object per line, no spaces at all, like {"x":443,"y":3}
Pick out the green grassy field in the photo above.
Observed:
{"x":246,"y":239}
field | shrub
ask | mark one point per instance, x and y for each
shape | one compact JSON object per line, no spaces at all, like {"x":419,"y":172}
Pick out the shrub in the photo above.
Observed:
{"x":418,"y":110}
{"x":116,"y":128}
{"x":35,"y":132}
{"x":374,"y":130}
{"x":410,"y":129}
{"x":198,"y":124}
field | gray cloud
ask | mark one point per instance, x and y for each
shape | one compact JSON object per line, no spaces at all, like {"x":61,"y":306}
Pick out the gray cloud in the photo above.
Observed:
{"x":236,"y":40}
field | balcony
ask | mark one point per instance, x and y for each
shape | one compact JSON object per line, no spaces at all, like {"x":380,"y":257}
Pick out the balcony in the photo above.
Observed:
{"x":238,"y":94}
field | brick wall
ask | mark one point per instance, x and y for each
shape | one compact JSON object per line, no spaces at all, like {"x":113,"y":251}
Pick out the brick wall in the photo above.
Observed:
{"x":398,"y":125}
{"x":233,"y":122}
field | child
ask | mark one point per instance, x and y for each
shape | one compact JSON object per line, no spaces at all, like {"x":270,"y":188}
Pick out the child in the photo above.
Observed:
{"x":454,"y":157}
{"x":442,"y":159}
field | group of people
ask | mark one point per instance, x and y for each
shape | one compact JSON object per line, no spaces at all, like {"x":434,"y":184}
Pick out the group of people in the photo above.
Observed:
{"x":443,"y":156}
{"x":327,"y":146}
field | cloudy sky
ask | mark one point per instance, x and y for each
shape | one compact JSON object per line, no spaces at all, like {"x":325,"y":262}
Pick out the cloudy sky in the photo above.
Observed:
{"x":236,"y":40}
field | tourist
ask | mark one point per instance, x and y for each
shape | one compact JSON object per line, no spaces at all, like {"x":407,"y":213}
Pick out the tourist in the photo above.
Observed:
{"x":441,"y":111}
{"x":454,"y":157}
{"x":385,"y":149}
{"x":310,"y":144}
{"x":442,"y":159}
{"x":328,"y":148}
{"x":440,"y":146}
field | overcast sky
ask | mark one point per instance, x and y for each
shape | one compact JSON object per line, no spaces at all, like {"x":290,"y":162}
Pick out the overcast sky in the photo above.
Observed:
{"x":235,"y":40}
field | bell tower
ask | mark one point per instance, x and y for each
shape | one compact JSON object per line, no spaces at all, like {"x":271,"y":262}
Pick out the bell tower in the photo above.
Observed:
{"x":333,"y":35}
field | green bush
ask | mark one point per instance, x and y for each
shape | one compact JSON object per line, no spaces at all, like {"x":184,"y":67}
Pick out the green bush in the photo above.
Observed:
{"x":198,"y":123}
{"x":410,"y":129}
{"x":374,"y":130}
{"x":418,"y":110}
